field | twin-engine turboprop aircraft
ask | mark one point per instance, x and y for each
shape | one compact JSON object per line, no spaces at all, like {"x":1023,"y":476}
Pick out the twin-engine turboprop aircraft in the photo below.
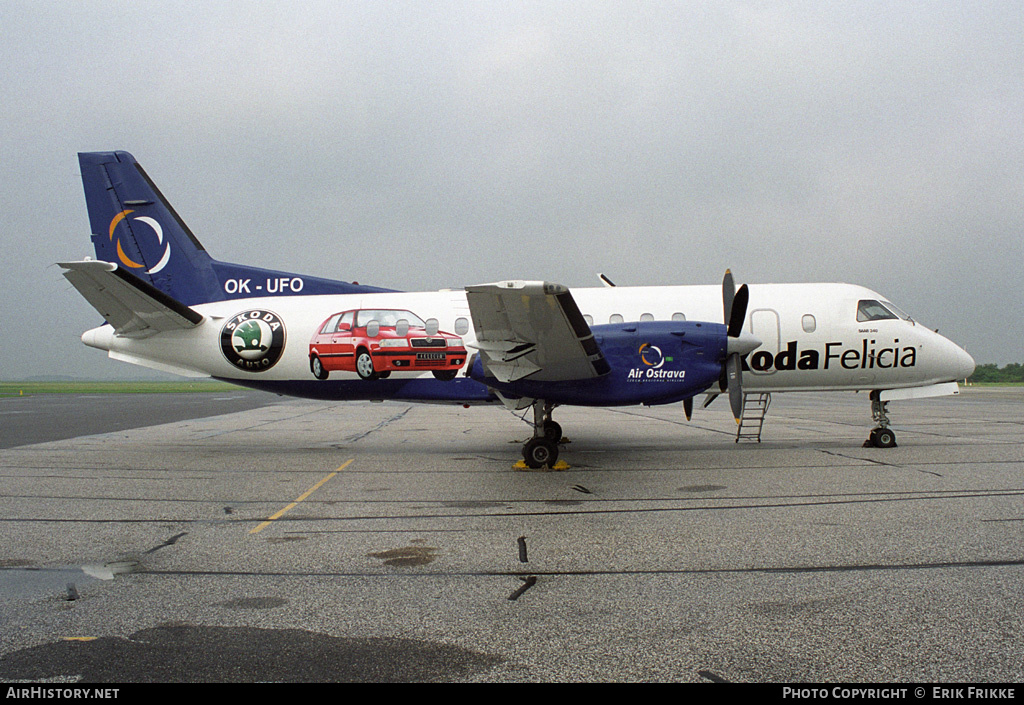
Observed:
{"x":170,"y":306}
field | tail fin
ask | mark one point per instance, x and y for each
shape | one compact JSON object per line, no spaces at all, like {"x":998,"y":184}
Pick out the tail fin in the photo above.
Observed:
{"x":135,"y":227}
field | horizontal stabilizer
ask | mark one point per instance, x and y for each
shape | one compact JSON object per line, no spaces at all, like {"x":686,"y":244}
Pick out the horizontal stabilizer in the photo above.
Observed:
{"x":133,"y":307}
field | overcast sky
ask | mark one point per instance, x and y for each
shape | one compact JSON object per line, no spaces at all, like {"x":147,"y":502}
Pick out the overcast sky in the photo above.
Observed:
{"x":423,"y":145}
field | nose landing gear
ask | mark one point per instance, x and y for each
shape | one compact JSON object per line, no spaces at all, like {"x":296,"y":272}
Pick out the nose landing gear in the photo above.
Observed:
{"x":882,"y":436}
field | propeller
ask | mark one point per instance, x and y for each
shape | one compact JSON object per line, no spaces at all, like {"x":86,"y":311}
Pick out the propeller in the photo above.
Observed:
{"x":738,"y":344}
{"x":734,"y":306}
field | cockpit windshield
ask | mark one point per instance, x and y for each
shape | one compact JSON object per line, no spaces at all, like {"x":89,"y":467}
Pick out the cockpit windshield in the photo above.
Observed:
{"x":872,"y":310}
{"x":898,"y":312}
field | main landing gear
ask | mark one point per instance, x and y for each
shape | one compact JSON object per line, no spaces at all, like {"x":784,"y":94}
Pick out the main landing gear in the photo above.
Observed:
{"x":542,"y":450}
{"x":882,"y":436}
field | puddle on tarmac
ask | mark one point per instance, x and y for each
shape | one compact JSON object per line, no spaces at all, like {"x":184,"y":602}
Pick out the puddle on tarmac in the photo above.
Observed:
{"x":702,"y":488}
{"x":178,"y":653}
{"x":107,"y":571}
{"x":407,"y":555}
{"x":33,"y":583}
{"x":254,"y":603}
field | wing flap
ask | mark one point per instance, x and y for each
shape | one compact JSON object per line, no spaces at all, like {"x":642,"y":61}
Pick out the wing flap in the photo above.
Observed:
{"x":535,"y":330}
{"x":133,"y":307}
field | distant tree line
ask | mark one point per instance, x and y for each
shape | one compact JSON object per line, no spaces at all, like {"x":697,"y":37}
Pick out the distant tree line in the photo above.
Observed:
{"x":1012,"y":373}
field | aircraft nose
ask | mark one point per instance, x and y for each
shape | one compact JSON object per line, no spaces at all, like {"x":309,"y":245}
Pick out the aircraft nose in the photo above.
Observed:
{"x":965,"y":364}
{"x":956,"y":363}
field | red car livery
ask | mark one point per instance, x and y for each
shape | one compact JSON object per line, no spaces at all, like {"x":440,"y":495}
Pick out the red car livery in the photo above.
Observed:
{"x":373,"y":343}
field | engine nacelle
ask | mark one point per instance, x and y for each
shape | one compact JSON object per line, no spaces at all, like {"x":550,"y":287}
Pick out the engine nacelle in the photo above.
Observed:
{"x":651,"y":362}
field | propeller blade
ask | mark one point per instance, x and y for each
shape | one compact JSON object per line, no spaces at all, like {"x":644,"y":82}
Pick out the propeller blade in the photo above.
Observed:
{"x":728,"y":294}
{"x":738,"y":314}
{"x":688,"y":407}
{"x":710,"y":398}
{"x":734,"y":307}
{"x":734,"y":368}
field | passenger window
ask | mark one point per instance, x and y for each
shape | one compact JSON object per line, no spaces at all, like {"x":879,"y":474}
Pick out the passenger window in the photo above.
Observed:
{"x":615,"y":318}
{"x":871,"y":310}
{"x":678,"y":317}
{"x":646,"y":316}
{"x":808,"y":323}
{"x":461,"y":326}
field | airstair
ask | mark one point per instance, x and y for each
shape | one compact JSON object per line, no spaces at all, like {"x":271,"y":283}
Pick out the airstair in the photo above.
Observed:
{"x":755,"y":406}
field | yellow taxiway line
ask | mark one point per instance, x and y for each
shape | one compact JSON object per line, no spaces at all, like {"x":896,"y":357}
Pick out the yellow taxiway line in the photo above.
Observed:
{"x":300,"y":499}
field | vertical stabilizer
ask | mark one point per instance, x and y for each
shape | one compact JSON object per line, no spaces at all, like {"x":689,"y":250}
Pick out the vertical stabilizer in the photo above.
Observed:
{"x":135,"y":227}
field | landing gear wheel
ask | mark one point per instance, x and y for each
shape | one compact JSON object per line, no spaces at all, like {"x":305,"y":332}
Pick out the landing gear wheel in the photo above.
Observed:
{"x":540,"y":452}
{"x":883,"y":438}
{"x":552,"y":431}
{"x":364,"y":365}
{"x":445,"y":375}
{"x":317,"y":368}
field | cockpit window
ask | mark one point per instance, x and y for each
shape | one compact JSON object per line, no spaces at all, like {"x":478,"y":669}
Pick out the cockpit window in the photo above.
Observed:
{"x":871,"y":310}
{"x":895,"y":310}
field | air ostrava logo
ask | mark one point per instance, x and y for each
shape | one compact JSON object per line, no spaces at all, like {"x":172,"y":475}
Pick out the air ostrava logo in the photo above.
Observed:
{"x":254,"y":340}
{"x":652,"y":356}
{"x":652,"y":360}
{"x":154,"y":225}
{"x":868,"y":357}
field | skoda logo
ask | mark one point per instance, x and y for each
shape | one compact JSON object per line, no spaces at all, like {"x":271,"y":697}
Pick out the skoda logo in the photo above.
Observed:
{"x":254,"y":340}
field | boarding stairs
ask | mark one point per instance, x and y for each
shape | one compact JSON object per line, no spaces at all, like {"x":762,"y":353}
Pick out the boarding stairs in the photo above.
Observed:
{"x":755,"y":406}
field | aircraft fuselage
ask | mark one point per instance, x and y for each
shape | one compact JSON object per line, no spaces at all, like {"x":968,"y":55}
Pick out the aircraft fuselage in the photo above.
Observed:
{"x":810,"y":334}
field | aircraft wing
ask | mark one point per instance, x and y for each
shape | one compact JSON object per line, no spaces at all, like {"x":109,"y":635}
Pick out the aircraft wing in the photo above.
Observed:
{"x":133,"y":307}
{"x":535,"y":330}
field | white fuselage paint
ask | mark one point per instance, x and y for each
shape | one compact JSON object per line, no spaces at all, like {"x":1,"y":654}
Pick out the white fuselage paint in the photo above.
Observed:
{"x":839,"y":353}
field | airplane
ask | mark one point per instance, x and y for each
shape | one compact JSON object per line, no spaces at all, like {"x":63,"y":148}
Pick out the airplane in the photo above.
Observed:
{"x":170,"y":306}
